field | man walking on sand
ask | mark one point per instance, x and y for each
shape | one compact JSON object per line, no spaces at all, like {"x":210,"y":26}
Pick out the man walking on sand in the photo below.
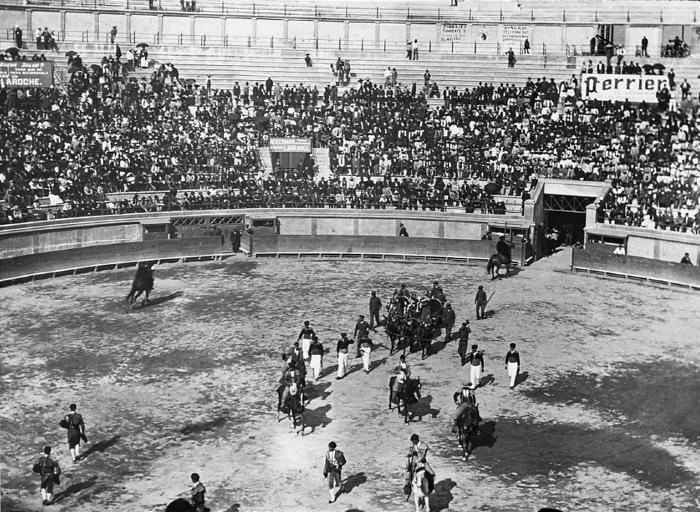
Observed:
{"x":476,"y":360}
{"x":333,"y":463}
{"x":513,"y":364}
{"x":480,"y":300}
{"x":75,"y":425}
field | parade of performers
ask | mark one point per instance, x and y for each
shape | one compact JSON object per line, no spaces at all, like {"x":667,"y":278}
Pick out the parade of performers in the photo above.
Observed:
{"x":411,"y":322}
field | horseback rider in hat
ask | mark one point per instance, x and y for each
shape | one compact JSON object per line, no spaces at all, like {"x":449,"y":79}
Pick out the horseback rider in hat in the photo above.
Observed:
{"x":503,"y":248}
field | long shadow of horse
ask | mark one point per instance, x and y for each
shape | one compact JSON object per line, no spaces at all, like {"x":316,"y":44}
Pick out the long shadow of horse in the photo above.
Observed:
{"x":100,"y":447}
{"x":160,"y":300}
{"x":442,"y":497}
{"x":203,"y":426}
{"x":521,"y":377}
{"x":485,"y":437}
{"x":353,"y":481}
{"x":317,"y":417}
{"x":75,"y":489}
{"x":317,"y":390}
{"x":422,"y":408}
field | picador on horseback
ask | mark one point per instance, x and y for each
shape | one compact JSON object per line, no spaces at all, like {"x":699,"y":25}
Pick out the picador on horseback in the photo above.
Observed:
{"x":502,"y":258}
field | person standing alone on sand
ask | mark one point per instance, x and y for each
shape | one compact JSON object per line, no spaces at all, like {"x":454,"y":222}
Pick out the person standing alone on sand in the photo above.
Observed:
{"x":480,"y":300}
{"x":513,"y":364}
{"x":332,"y":471}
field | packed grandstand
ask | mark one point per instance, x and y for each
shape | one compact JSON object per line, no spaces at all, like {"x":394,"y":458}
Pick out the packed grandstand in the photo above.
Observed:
{"x":166,"y":142}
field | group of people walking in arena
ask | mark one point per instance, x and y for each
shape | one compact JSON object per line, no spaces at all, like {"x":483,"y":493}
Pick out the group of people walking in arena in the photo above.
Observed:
{"x":307,"y":349}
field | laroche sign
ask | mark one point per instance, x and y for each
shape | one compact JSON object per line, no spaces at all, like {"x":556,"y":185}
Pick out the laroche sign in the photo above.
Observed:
{"x":635,"y":88}
{"x":280,"y":145}
{"x":20,"y":74}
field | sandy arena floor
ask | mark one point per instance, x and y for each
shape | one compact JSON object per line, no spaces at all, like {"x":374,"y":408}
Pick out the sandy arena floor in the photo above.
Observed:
{"x":606,"y":416}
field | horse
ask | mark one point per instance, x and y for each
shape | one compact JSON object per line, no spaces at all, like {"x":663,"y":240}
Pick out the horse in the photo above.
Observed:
{"x":496,"y":262}
{"x":180,"y":505}
{"x":395,"y":329}
{"x":143,"y":282}
{"x":419,"y":484}
{"x":467,"y":427}
{"x":409,"y":395}
{"x":293,"y":405}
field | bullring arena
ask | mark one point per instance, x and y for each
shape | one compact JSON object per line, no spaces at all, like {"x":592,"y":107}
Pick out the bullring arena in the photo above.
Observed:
{"x":276,"y":163}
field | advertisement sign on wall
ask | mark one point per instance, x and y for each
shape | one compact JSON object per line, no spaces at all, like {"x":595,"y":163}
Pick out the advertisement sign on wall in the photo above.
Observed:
{"x":515,"y":35}
{"x":635,"y":88}
{"x":282,"y":145}
{"x":454,"y":32}
{"x":20,"y":74}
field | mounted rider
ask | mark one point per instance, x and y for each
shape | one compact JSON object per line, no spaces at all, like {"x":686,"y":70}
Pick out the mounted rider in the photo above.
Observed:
{"x":503,"y":248}
{"x":465,"y":400}
{"x":291,"y":379}
{"x":416,"y":456}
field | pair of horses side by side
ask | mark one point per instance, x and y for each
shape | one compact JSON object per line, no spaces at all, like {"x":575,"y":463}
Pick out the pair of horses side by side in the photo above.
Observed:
{"x":410,"y":394}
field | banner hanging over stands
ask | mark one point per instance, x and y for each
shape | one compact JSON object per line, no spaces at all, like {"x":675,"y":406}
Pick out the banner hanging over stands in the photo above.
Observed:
{"x":280,"y":145}
{"x":635,"y":88}
{"x":21,"y":74}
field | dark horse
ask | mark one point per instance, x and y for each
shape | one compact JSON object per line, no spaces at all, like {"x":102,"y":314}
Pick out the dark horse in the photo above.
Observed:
{"x":409,"y":395}
{"x":143,"y":282}
{"x":293,"y":406}
{"x":496,"y":262}
{"x":468,"y":427}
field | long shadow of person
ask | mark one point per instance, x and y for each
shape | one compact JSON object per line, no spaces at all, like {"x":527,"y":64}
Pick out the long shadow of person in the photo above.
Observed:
{"x":330,"y":370}
{"x":236,"y":507}
{"x":75,"y":489}
{"x":489,"y":379}
{"x":521,"y":377}
{"x":317,"y":417}
{"x":100,"y":447}
{"x":353,"y":481}
{"x":442,"y":497}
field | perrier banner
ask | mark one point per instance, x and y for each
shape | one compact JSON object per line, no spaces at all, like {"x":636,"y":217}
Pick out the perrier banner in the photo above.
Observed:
{"x":23,"y":74}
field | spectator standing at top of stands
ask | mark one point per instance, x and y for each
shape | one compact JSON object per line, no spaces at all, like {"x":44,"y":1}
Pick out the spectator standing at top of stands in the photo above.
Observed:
{"x":37,"y":36}
{"x":511,"y":58}
{"x":394,"y":77}
{"x":307,"y":59}
{"x":526,"y":46}
{"x":593,"y":44}
{"x":686,"y":259}
{"x":409,"y":50}
{"x":645,"y":45}
{"x":18,"y":37}
{"x":685,"y":89}
{"x":426,"y":78}
{"x":268,"y":86}
{"x":414,"y":49}
{"x":113,"y":34}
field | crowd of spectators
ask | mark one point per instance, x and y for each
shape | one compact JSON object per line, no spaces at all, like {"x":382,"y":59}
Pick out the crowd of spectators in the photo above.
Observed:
{"x":387,"y":148}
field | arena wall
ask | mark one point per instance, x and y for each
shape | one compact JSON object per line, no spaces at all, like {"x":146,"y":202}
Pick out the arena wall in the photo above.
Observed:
{"x":598,"y":259}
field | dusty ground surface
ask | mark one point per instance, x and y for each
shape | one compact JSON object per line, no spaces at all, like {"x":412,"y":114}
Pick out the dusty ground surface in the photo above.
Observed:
{"x":605,"y":417}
